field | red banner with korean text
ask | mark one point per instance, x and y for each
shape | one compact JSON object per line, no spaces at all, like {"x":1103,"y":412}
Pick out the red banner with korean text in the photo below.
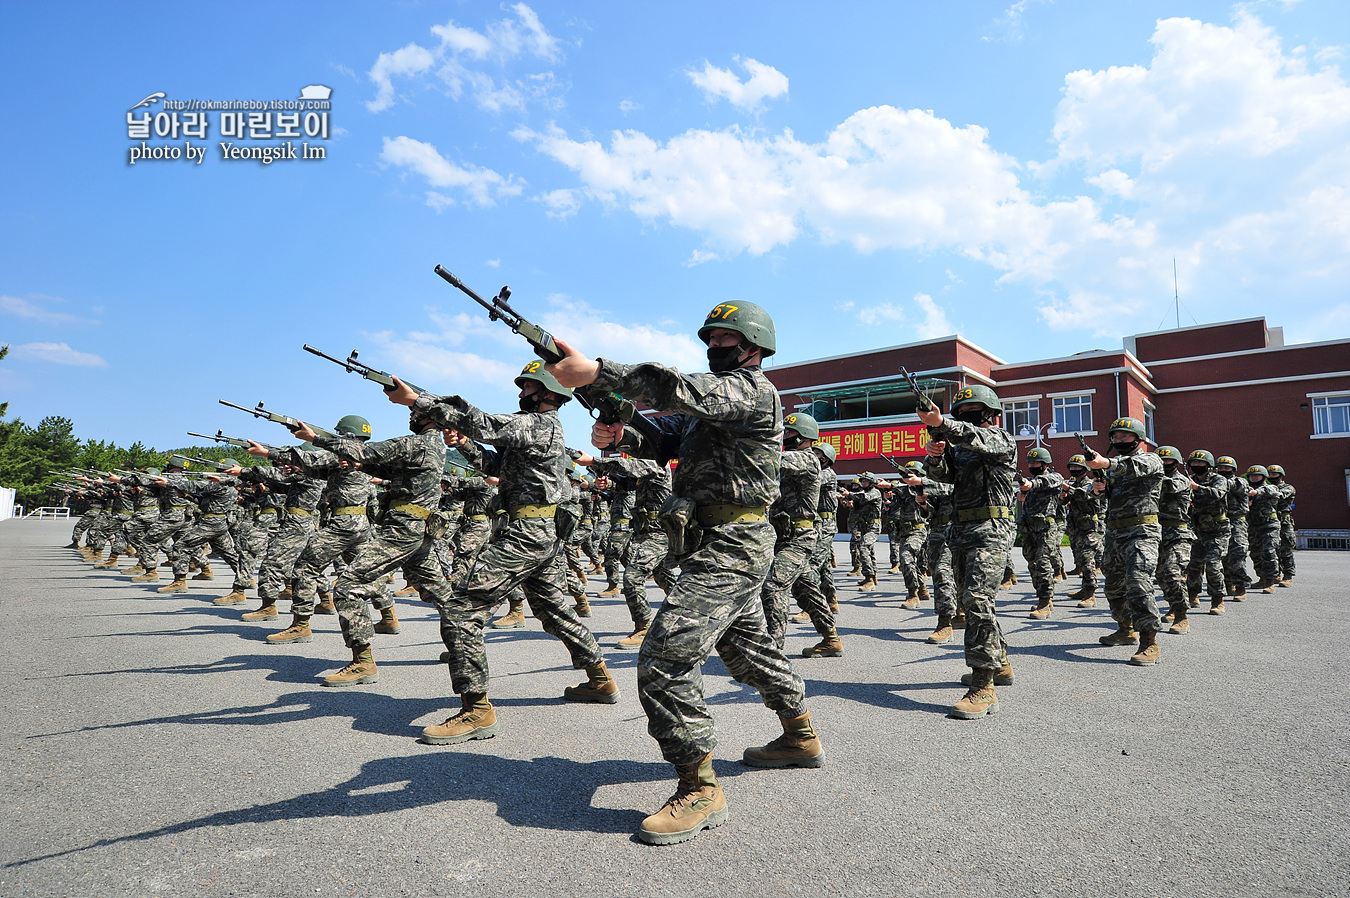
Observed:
{"x":896,"y":440}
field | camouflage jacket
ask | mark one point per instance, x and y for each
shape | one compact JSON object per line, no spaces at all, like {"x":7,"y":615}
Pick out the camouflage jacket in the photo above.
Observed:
{"x":798,"y":485}
{"x":341,"y":489}
{"x":528,"y":456}
{"x":1083,"y":504}
{"x":1209,"y":504}
{"x":621,"y":507}
{"x":829,"y":493}
{"x":1042,"y":500}
{"x":941,"y":508}
{"x":653,"y":483}
{"x":475,"y":493}
{"x":215,"y":498}
{"x":1264,"y":503}
{"x":302,"y":491}
{"x":175,"y":496}
{"x":864,"y":508}
{"x":1238,"y":499}
{"x":1174,"y":501}
{"x":729,"y":428}
{"x":980,"y":462}
{"x":410,"y":466}
{"x":904,"y":508}
{"x":1133,"y":485}
{"x":1287,"y":495}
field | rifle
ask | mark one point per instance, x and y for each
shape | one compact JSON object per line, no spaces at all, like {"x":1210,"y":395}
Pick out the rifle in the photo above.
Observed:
{"x":605,"y":406}
{"x":353,"y":366}
{"x":1088,"y":455}
{"x":291,"y":424}
{"x":233,"y":441}
{"x":916,"y":490}
{"x":925,"y":404}
{"x":219,"y":466}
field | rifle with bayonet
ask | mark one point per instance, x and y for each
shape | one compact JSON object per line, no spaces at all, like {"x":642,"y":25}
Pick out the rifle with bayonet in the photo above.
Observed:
{"x":233,"y":441}
{"x":605,"y":406}
{"x":291,"y":424}
{"x":354,"y":366}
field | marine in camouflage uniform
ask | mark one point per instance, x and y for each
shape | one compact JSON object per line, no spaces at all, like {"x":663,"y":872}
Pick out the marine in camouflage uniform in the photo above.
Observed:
{"x":1084,"y":513}
{"x":595,"y":546}
{"x":936,"y":500}
{"x":144,"y":515}
{"x":174,"y":501}
{"x":1263,"y":527}
{"x":726,"y":428}
{"x":1209,"y":521}
{"x":119,"y":509}
{"x":1235,"y":576}
{"x":621,"y":506}
{"x":216,"y":498}
{"x":1039,"y":495}
{"x":265,"y":509}
{"x":908,"y":528}
{"x":1288,"y":535}
{"x":94,"y":507}
{"x":979,"y":458}
{"x":649,"y":549}
{"x":1174,"y":551}
{"x":855,"y":533}
{"x":1133,"y":485}
{"x":865,"y":514}
{"x":297,"y":527}
{"x":817,"y":582}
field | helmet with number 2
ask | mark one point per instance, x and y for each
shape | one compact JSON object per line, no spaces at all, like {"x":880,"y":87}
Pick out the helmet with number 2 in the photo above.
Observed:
{"x":747,"y":319}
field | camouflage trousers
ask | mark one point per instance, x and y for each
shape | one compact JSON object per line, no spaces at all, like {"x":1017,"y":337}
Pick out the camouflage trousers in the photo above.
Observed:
{"x":399,"y":541}
{"x":341,"y":537}
{"x":1057,"y":528}
{"x":649,"y":556}
{"x":283,"y":551}
{"x":1235,"y":559}
{"x":138,"y":528}
{"x":822,"y":560}
{"x":473,"y":535}
{"x":616,"y":552}
{"x":105,"y":529}
{"x":940,"y":566}
{"x":979,"y":555}
{"x":1174,"y":559}
{"x":1040,"y":541}
{"x":168,"y":526}
{"x":83,"y":525}
{"x":1285,"y":551}
{"x":213,"y":532}
{"x":594,"y":546}
{"x":715,"y":605}
{"x":1265,"y":546}
{"x":855,"y":540}
{"x":525,"y":555}
{"x":791,"y":561}
{"x":253,"y":545}
{"x":907,"y":547}
{"x":1207,"y":556}
{"x":119,"y":534}
{"x":1086,"y":545}
{"x":1129,"y":562}
{"x":867,"y":551}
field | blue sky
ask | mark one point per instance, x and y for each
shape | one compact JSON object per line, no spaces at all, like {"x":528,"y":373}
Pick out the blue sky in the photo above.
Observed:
{"x":1020,"y":173}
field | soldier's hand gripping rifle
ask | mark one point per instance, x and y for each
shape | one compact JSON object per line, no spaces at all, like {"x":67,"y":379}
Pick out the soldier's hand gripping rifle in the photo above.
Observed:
{"x":233,"y":441}
{"x":291,"y":424}
{"x":1089,"y":454}
{"x":354,"y":366}
{"x":605,"y":406}
{"x":925,"y":404}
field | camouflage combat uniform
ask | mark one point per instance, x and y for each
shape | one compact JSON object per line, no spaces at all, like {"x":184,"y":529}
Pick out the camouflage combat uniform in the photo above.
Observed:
{"x":144,"y":515}
{"x":296,"y":529}
{"x":477,"y":495}
{"x":1133,"y":535}
{"x":1085,"y":511}
{"x":595,"y":546}
{"x":95,"y":505}
{"x":865,"y":515}
{"x":942,"y":512}
{"x":620,"y":531}
{"x":530,"y":462}
{"x":980,"y":463}
{"x":265,"y":510}
{"x":1174,"y":549}
{"x":729,"y":428}
{"x":172,"y":521}
{"x":1209,"y":522}
{"x":1235,"y":576}
{"x":1040,"y":531}
{"x":794,"y":518}
{"x":217,"y":501}
{"x":909,"y":532}
{"x":1263,"y":523}
{"x":650,"y":545}
{"x":822,"y":558}
{"x":1288,"y":536}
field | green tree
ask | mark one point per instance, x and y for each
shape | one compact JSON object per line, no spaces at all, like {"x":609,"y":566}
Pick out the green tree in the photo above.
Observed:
{"x":4,"y":406}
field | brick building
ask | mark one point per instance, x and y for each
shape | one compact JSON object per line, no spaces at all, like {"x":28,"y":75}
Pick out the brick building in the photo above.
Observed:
{"x":1233,"y":388}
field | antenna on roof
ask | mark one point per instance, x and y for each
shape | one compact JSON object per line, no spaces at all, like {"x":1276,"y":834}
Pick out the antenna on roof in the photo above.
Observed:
{"x":1176,"y":292}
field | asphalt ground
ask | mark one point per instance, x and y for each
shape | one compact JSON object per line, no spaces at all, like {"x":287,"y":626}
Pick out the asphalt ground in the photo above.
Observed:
{"x":156,"y":745}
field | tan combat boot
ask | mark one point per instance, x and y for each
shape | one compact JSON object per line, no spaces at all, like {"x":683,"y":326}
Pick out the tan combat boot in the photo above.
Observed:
{"x":175,"y":586}
{"x":633,"y":641}
{"x":268,"y":611}
{"x":959,"y":621}
{"x":895,"y":569}
{"x":867,"y":585}
{"x":799,"y":746}
{"x":583,"y":606}
{"x":599,"y":688}
{"x":234,"y":598}
{"x":326,"y":605}
{"x":287,"y":592}
{"x":514,"y":617}
{"x":1010,"y":580}
{"x":828,"y":647}
{"x":698,"y":804}
{"x":298,"y":631}
{"x":388,"y":622}
{"x":407,"y":590}
{"x":980,"y":700}
{"x":1216,"y":605}
{"x":1060,"y":576}
{"x":1238,"y":594}
{"x":611,"y":590}
{"x":595,"y":568}
{"x":135,"y":570}
{"x":1002,"y":677}
{"x":1124,"y":635}
{"x":111,"y":562}
{"x":911,"y":600}
{"x":147,"y":577}
{"x":923,"y":591}
{"x":833,"y":603}
{"x":801,"y":617}
{"x":477,"y":719}
{"x":943,"y":633}
{"x":1042,"y":609}
{"x":1089,"y":600}
{"x":1147,"y":656}
{"x":1180,"y":623}
{"x":855,"y":572}
{"x":1286,"y":582}
{"x":87,"y":553}
{"x":1267,"y":586}
{"x":205,"y":574}
{"x":361,"y":670}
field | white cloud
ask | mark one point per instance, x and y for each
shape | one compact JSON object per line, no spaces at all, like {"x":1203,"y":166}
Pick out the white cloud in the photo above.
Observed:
{"x":1010,"y":26}
{"x":627,"y":106}
{"x":57,"y":354}
{"x":494,"y":263}
{"x":560,"y":203}
{"x":35,"y":307}
{"x":593,"y":332}
{"x":934,"y":323}
{"x":765,"y":83}
{"x":881,"y":314}
{"x":482,"y":185}
{"x":457,"y":58}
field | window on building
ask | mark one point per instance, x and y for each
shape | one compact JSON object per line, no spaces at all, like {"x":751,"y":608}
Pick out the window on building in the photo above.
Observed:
{"x":1148,"y":423}
{"x":1073,"y":413}
{"x":1017,"y":415}
{"x":1331,"y":414}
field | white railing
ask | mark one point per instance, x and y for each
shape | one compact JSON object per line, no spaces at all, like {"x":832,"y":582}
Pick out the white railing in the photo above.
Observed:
{"x":1323,"y":539}
{"x":46,"y":511}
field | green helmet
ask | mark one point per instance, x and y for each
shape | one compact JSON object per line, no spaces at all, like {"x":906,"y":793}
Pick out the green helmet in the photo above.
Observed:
{"x":1226,"y":461}
{"x":354,"y":426}
{"x":827,"y":450}
{"x":1077,"y":461}
{"x":1257,"y":469}
{"x":1040,"y":455}
{"x":804,"y":424}
{"x":868,"y":475}
{"x":1275,"y":470}
{"x":1169,"y":453}
{"x":153,"y":472}
{"x":176,"y":461}
{"x":1131,"y":425}
{"x":916,"y":467}
{"x":307,"y":446}
{"x":977,"y":395}
{"x":230,"y":463}
{"x":1202,"y":456}
{"x":535,"y":371}
{"x":747,"y":319}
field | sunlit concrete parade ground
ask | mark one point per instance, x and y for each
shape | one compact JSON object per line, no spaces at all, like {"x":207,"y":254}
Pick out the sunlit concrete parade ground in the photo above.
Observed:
{"x":156,"y":745}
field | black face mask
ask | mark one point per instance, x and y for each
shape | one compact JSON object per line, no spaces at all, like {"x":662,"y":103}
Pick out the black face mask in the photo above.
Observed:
{"x":1036,"y":470}
{"x":1199,"y":473}
{"x":724,"y":358}
{"x":971,"y":415}
{"x":1124,"y":448}
{"x":531,"y":402}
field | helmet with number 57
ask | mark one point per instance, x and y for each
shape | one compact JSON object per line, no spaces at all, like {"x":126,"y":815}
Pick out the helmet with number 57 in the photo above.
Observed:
{"x":747,"y":319}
